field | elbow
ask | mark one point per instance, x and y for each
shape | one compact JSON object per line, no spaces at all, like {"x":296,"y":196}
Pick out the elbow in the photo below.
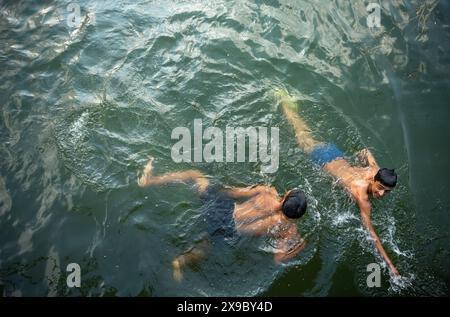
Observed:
{"x":279,"y":258}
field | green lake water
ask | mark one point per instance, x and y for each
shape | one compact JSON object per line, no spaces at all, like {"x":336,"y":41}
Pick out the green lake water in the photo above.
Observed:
{"x":84,"y":102}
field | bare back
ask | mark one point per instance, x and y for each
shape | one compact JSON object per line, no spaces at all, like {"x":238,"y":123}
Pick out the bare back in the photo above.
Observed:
{"x":261,"y":215}
{"x":353,"y":178}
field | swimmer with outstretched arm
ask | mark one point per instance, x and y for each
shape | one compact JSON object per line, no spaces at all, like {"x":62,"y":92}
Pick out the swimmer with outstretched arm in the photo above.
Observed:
{"x":360,"y":182}
{"x":230,"y":212}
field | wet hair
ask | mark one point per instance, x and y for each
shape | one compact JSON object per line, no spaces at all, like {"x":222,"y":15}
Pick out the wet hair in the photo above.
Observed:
{"x":294,"y":205}
{"x":387,"y":177}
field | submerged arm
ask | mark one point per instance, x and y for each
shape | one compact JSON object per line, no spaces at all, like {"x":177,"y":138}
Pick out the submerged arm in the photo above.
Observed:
{"x":243,"y":192}
{"x":148,"y":179}
{"x":284,"y":250}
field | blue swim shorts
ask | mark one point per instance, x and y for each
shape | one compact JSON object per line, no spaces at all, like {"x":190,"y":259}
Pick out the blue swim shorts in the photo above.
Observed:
{"x":324,"y":153}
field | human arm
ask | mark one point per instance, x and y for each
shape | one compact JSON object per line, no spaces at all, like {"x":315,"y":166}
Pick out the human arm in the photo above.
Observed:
{"x":148,"y":179}
{"x":367,"y":156}
{"x":285,"y":251}
{"x":365,"y":209}
{"x":245,"y":192}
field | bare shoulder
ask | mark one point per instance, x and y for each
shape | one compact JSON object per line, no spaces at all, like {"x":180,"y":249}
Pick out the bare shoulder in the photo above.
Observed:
{"x":264,"y":189}
{"x":358,"y":188}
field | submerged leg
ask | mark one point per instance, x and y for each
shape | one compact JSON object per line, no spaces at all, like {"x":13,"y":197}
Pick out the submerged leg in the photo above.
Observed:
{"x":303,"y":133}
{"x":190,"y":257}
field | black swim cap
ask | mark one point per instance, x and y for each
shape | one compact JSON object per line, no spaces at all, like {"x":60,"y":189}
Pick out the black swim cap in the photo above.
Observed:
{"x":387,"y":177}
{"x":294,"y":205}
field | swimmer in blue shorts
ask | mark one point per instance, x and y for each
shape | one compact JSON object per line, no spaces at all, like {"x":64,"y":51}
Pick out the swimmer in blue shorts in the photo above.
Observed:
{"x":234,"y":211}
{"x":359,"y":181}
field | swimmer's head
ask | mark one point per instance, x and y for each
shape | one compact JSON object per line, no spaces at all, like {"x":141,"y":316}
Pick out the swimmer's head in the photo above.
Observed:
{"x":294,"y":204}
{"x":384,"y":181}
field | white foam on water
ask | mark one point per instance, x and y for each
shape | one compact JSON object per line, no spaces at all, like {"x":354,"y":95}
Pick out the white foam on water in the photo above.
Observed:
{"x":77,"y":129}
{"x":391,"y":229}
{"x":398,"y":284}
{"x":343,"y":218}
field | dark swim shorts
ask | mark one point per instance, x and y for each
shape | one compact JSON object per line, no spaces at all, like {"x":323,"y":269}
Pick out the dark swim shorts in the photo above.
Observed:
{"x":218,"y":208}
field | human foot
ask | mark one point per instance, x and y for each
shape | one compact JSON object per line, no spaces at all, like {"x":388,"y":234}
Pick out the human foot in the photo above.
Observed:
{"x":146,"y":173}
{"x":282,"y":96}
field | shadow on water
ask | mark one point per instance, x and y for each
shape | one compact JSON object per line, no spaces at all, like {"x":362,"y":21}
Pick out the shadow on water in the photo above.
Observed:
{"x":84,"y":107}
